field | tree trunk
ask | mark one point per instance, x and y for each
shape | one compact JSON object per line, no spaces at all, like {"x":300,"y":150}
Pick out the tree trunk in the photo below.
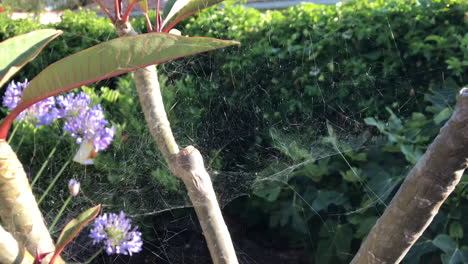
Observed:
{"x":186,"y":164}
{"x":422,"y":193}
{"x":19,"y":211}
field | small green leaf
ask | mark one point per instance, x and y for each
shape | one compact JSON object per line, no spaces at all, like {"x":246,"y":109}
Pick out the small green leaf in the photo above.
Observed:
{"x":143,"y":4}
{"x":456,"y":230}
{"x":73,"y":228}
{"x":445,"y":243}
{"x":269,"y":194}
{"x":177,"y":10}
{"x":19,"y":50}
{"x":417,"y":251}
{"x":443,"y":115}
{"x":352,"y":175}
{"x":325,"y":198}
{"x":365,"y":226}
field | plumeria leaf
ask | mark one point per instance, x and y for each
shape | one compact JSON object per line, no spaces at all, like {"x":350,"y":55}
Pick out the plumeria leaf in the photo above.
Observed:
{"x":143,"y":4}
{"x":19,"y":50}
{"x":73,"y":228}
{"x":107,"y":60}
{"x":177,"y":10}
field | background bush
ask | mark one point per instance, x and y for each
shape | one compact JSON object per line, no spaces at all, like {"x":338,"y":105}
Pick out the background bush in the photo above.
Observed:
{"x":322,"y":110}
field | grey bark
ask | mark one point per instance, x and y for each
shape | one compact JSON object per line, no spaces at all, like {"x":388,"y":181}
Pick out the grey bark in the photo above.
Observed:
{"x":422,"y":193}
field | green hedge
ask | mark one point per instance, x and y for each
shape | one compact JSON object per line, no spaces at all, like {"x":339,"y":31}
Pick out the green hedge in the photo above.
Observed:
{"x":350,"y":61}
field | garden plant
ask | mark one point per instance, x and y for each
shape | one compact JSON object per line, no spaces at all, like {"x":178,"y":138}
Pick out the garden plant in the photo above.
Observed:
{"x":20,"y":213}
{"x":317,"y":85}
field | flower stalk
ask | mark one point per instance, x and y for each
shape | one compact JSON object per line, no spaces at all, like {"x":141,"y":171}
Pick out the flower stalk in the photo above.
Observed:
{"x":54,"y":181}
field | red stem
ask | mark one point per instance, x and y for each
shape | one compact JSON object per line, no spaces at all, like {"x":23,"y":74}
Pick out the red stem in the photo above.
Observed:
{"x":148,"y":22}
{"x":129,"y":10}
{"x":105,"y":10}
{"x":158,"y":18}
{"x":7,"y":121}
{"x":117,"y":10}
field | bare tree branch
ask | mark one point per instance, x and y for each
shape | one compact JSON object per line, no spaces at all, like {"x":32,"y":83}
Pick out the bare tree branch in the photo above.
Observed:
{"x":422,"y":193}
{"x":186,"y":164}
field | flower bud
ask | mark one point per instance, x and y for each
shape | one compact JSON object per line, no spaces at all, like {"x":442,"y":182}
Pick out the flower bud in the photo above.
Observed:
{"x":74,"y":187}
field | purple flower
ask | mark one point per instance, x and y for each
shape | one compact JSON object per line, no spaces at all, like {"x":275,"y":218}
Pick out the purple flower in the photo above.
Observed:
{"x":90,"y":125}
{"x":70,"y":104}
{"x":13,"y":94}
{"x":41,"y":113}
{"x":83,"y":122}
{"x":116,"y":234}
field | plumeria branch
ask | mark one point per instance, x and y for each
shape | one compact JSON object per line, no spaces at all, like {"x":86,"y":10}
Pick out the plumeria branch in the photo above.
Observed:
{"x":18,"y":210}
{"x":127,"y":13}
{"x":158,"y":17}
{"x":105,"y":10}
{"x":186,"y":164}
{"x":148,"y":22}
{"x":9,"y":248}
{"x":421,"y":194}
{"x":118,"y":9}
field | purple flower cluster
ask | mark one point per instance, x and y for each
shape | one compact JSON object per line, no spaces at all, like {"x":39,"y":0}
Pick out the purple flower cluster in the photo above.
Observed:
{"x":41,"y":113}
{"x":116,"y":232}
{"x":83,"y":121}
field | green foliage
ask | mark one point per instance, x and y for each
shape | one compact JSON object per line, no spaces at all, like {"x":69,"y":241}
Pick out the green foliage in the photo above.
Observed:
{"x":21,"y":49}
{"x":81,"y":30}
{"x":24,"y":5}
{"x":384,"y":73}
{"x":308,"y":57}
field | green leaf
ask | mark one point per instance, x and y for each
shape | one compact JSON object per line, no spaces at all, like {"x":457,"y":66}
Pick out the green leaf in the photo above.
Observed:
{"x":325,"y":198}
{"x":73,"y":228}
{"x":335,"y":241}
{"x":352,"y":175}
{"x":443,"y":115}
{"x":17,"y":51}
{"x":456,"y":257}
{"x":417,"y":251}
{"x":456,"y":230}
{"x":106,"y":60}
{"x":269,"y":194}
{"x":365,"y":226}
{"x":445,"y":243}
{"x":143,"y":4}
{"x":177,"y":10}
{"x":113,"y":58}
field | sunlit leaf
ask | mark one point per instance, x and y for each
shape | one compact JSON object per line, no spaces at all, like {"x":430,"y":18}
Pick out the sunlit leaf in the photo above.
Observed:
{"x":73,"y":228}
{"x":143,"y":4}
{"x":177,"y":10}
{"x":19,"y":50}
{"x":107,"y":60}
